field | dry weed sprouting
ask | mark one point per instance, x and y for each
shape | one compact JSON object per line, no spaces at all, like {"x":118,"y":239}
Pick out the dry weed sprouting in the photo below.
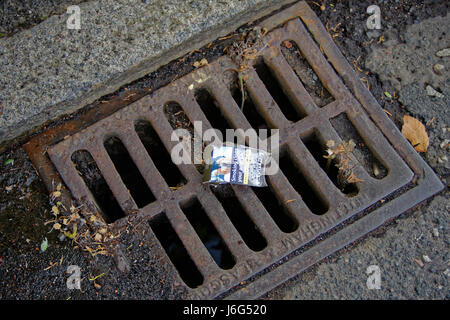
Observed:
{"x":248,"y":48}
{"x":343,"y":161}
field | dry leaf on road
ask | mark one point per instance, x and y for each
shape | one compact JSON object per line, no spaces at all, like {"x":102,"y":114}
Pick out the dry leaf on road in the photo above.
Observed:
{"x":415,"y":132}
{"x":201,"y":63}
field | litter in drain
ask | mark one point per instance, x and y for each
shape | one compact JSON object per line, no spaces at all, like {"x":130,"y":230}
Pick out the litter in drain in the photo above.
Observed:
{"x":217,"y":239}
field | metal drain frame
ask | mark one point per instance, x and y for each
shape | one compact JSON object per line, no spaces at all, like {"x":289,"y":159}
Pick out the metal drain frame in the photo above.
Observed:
{"x":397,"y":154}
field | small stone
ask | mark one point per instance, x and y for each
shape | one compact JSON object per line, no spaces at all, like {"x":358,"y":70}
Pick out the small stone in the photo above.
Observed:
{"x":433,"y":92}
{"x":419,"y":262}
{"x":444,"y":144}
{"x":447,"y":272}
{"x":443,"y":53}
{"x":438,"y":68}
{"x":376,"y":171}
{"x":426,"y":258}
{"x":435,"y":232}
{"x":442,"y":159}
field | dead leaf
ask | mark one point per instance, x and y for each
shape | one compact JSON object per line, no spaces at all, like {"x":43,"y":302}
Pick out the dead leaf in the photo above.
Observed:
{"x":55,"y":211}
{"x":415,"y":132}
{"x":56,"y":194}
{"x":98,"y":237}
{"x":201,"y":63}
{"x":287,"y":44}
{"x":353,"y":179}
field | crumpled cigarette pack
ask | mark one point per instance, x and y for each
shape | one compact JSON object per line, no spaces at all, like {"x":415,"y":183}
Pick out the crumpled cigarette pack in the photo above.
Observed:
{"x":236,"y":164}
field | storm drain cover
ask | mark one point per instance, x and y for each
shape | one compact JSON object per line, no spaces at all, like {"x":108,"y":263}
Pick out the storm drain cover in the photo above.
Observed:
{"x":237,"y":241}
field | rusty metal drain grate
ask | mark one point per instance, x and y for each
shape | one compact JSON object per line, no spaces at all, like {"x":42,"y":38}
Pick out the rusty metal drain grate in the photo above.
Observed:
{"x":251,"y":230}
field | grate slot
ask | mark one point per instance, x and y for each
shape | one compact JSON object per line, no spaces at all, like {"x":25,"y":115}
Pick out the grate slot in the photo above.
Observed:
{"x":208,"y":234}
{"x":222,"y":91}
{"x":346,"y":130}
{"x":93,"y":178}
{"x":158,"y":153}
{"x":280,"y":215}
{"x":212,"y":111}
{"x":277,"y":92}
{"x":175,"y":250}
{"x":304,"y":72}
{"x":313,"y":56}
{"x":177,"y":117}
{"x":250,"y":111}
{"x":293,"y":86}
{"x":315,"y":145}
{"x":303,"y":187}
{"x":239,"y":218}
{"x":112,"y":177}
{"x":264,"y":102}
{"x":128,"y":171}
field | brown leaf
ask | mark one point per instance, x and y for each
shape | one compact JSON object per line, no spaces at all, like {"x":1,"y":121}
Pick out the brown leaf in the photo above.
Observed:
{"x":56,"y":194}
{"x":201,"y":63}
{"x":98,"y":237}
{"x":287,"y":44}
{"x":415,"y":132}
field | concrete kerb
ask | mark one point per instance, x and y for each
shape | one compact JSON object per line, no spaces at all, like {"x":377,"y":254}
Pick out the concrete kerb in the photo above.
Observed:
{"x":49,"y":71}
